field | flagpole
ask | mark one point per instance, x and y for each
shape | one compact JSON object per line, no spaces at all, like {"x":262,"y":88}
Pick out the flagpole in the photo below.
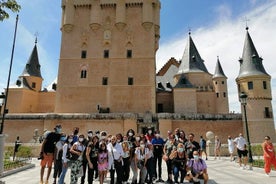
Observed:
{"x":9,"y":77}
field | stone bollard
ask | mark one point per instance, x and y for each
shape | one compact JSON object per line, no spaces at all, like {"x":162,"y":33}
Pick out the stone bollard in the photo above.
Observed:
{"x":210,"y":144}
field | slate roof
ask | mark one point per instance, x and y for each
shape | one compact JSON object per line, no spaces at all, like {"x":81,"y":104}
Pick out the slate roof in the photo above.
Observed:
{"x":183,"y":82}
{"x":191,"y":60}
{"x":32,"y":67}
{"x":218,"y":71}
{"x":251,"y":63}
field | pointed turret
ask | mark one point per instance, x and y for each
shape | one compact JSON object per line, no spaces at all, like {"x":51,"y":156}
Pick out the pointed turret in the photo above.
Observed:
{"x":32,"y":67}
{"x":218,"y":71}
{"x":191,"y":60}
{"x":250,"y":63}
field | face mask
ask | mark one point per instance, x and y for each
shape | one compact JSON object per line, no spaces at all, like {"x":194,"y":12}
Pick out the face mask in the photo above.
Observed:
{"x":103,"y":137}
{"x":80,"y":139}
{"x":137,"y":138}
{"x":90,"y":135}
{"x":180,"y":150}
{"x":63,"y":138}
{"x":118,"y":141}
{"x":149,"y":131}
{"x":70,"y":140}
{"x":130,"y":134}
{"x":58,"y":130}
{"x":157,"y":135}
{"x":142,"y":145}
{"x":196,"y":157}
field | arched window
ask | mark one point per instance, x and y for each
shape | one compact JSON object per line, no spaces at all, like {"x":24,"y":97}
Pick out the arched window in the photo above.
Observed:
{"x":83,"y":74}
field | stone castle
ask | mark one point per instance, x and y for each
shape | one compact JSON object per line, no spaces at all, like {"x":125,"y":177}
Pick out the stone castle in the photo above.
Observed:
{"x":107,"y":80}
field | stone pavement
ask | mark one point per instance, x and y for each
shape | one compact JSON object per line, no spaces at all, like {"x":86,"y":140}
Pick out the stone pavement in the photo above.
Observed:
{"x":220,"y":172}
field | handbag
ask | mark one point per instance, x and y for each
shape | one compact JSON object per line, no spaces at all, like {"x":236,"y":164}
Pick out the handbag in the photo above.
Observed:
{"x":74,"y":156}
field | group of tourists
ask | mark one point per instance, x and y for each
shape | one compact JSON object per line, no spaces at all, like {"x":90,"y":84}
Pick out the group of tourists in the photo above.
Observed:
{"x":98,"y":153}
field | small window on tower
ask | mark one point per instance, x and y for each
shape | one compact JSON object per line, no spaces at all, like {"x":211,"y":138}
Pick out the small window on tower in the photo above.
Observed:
{"x":216,"y":82}
{"x":105,"y":81}
{"x":217,"y":95}
{"x":222,"y":82}
{"x":130,"y":81}
{"x":267,"y":113}
{"x":264,"y":85}
{"x":224,"y":94}
{"x":106,"y":53}
{"x":250,"y":85}
{"x":83,"y":54}
{"x":129,"y":53}
{"x":33,"y":85}
{"x":83,"y":74}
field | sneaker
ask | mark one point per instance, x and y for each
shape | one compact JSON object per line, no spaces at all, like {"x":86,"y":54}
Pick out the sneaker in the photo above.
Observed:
{"x":267,"y":174}
{"x":160,"y":180}
{"x":244,"y":167}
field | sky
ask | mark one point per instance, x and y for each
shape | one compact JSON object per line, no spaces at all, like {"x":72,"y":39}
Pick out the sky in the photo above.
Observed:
{"x":217,"y":28}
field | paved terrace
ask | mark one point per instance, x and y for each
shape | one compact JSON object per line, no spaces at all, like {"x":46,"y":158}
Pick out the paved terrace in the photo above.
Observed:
{"x":220,"y":172}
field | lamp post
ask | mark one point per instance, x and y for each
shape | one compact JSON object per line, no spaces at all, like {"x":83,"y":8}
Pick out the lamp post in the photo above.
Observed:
{"x":243,"y":100}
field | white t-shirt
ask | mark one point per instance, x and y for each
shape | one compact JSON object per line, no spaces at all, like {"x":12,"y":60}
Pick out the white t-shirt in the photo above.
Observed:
{"x":141,"y":155}
{"x":241,"y":142}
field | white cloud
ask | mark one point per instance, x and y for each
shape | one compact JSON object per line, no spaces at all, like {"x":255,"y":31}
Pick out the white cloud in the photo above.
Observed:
{"x":226,"y":39}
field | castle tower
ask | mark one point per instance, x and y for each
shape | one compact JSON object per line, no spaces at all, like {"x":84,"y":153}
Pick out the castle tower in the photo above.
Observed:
{"x":220,"y":87}
{"x":255,"y":82}
{"x":107,"y":56}
{"x":31,"y":75}
{"x":24,"y":95}
{"x":193,"y":89}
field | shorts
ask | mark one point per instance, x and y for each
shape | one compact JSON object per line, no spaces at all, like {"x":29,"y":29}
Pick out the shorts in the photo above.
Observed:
{"x":48,"y":159}
{"x":242,"y":153}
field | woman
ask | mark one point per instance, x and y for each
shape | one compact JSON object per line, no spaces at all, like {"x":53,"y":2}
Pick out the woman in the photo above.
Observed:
{"x":217,"y":147}
{"x":58,"y":157}
{"x":168,"y":147}
{"x":231,"y":147}
{"x":141,"y":156}
{"x":133,"y":166}
{"x":269,"y":155}
{"x":179,"y":161}
{"x":126,"y":158}
{"x":92,"y":158}
{"x":102,"y":161}
{"x":76,"y":167}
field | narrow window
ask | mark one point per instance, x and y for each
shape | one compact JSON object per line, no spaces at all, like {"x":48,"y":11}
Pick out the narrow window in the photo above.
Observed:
{"x":264,"y":85}
{"x":250,"y":85}
{"x":54,"y":86}
{"x":83,"y":74}
{"x":216,"y":82}
{"x":130,"y":81}
{"x":83,"y":54}
{"x":106,"y":53}
{"x":217,"y":95}
{"x":129,"y":53}
{"x":267,"y":113}
{"x":105,"y":81}
{"x":224,"y":94}
{"x":33,"y":85}
{"x":222,"y":82}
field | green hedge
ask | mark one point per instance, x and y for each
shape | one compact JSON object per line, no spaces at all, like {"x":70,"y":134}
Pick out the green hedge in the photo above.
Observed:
{"x":23,"y":152}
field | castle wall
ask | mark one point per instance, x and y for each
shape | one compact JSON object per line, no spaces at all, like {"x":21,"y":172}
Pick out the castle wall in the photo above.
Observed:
{"x":25,"y":125}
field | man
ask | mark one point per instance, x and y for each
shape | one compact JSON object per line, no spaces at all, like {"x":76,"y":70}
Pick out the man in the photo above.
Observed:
{"x":240,"y":143}
{"x":17,"y":144}
{"x":202,"y":144}
{"x":115,"y":158}
{"x":191,"y":145}
{"x":158,"y":145}
{"x":197,"y":169}
{"x":47,"y":152}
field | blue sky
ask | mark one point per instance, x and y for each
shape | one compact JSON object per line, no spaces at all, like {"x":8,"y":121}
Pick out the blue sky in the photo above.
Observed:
{"x":217,"y":27}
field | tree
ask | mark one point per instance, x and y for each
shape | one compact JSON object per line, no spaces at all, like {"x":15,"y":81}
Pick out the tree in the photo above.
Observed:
{"x":6,"y":5}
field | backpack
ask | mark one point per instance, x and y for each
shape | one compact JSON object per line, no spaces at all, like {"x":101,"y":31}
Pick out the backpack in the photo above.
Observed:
{"x":203,"y":143}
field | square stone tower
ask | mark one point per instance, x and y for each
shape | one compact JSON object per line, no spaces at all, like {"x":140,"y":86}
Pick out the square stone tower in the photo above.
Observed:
{"x":107,"y":56}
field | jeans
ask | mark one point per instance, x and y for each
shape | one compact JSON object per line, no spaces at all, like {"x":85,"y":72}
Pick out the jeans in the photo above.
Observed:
{"x":63,"y":173}
{"x":176,"y":171}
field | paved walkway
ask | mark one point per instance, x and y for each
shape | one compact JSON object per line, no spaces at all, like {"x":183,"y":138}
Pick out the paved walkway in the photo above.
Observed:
{"x":220,"y":172}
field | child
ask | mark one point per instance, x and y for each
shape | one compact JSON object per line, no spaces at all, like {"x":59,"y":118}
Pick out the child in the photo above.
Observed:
{"x":102,"y":161}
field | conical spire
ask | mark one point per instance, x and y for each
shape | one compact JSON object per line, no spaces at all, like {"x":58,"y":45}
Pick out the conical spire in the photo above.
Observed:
{"x":191,"y":60}
{"x":250,"y":63}
{"x":33,"y":67}
{"x":218,"y":71}
{"x":183,"y":82}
